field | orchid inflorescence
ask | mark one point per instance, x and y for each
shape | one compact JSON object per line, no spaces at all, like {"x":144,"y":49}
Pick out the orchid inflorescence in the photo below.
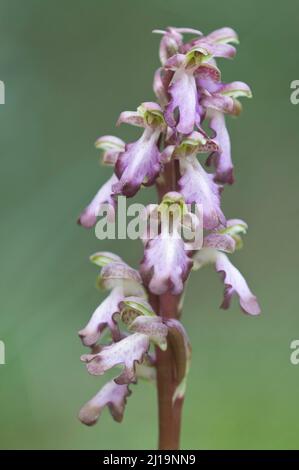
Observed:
{"x":190,"y":93}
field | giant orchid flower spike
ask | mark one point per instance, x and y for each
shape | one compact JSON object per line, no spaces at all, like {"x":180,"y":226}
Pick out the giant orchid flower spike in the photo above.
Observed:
{"x":136,"y":330}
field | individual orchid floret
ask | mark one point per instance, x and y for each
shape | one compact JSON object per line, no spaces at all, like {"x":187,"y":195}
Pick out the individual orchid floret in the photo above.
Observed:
{"x":172,"y":40}
{"x":166,"y":264}
{"x":217,"y":42}
{"x":140,"y":163}
{"x":103,"y":317}
{"x":224,"y":99}
{"x":113,"y":396}
{"x":111,"y":147}
{"x":88,"y":217}
{"x":145,"y":326}
{"x":123,"y":281}
{"x":183,"y":88}
{"x":233,"y":280}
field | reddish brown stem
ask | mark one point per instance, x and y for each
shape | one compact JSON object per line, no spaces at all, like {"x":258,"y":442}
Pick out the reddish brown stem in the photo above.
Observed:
{"x":169,"y":410}
{"x":167,"y":306}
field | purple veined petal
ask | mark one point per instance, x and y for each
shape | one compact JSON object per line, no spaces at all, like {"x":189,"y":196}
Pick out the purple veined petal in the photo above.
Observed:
{"x":235,"y":89}
{"x":197,"y":186}
{"x":220,"y":241}
{"x":111,"y":395}
{"x":103,"y":317}
{"x":224,"y":50}
{"x":235,"y":284}
{"x":126,"y":352}
{"x":184,"y":98}
{"x":88,"y":217}
{"x":223,"y":35}
{"x":120,"y":274}
{"x":165,"y":265}
{"x":153,"y":327}
{"x":139,"y":164}
{"x":222,"y":159}
{"x":131,"y":117}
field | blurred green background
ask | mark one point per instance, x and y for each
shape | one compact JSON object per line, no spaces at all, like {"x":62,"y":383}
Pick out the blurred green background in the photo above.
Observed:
{"x":70,"y":67}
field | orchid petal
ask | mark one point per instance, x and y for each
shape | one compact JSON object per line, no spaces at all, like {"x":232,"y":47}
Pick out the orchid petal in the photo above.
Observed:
{"x":112,"y":395}
{"x":175,"y":62}
{"x":208,"y":77}
{"x":103,"y":317}
{"x":235,"y":89}
{"x":197,"y":186}
{"x":221,"y":159}
{"x":119,"y":274}
{"x":170,"y":43}
{"x":188,"y":31}
{"x":111,"y":147}
{"x":212,"y":50}
{"x":126,"y":352}
{"x":223,"y":103}
{"x":88,"y":217}
{"x":235,"y":284}
{"x":184,"y":97}
{"x":165,"y":265}
{"x":223,"y":35}
{"x":139,"y":164}
{"x":235,"y":228}
{"x":131,"y":117}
